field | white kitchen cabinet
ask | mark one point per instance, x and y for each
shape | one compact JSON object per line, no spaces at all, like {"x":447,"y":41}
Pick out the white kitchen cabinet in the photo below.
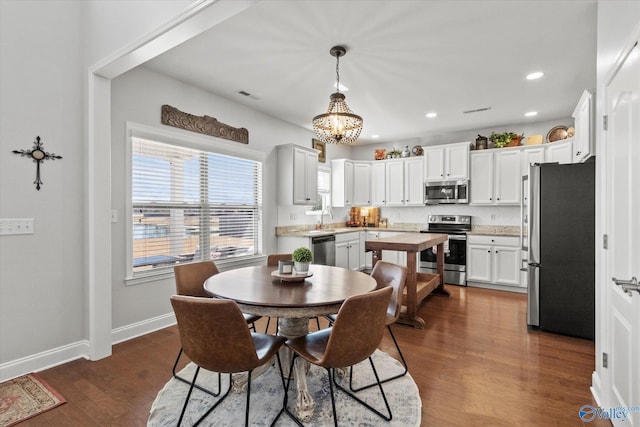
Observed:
{"x":414,"y":181}
{"x":404,"y":183}
{"x":494,"y":261}
{"x":361,"y":183}
{"x":378,"y":183}
{"x":341,"y":183}
{"x":583,"y":123}
{"x":507,"y":177}
{"x":348,"y":250}
{"x":495,"y":177}
{"x":529,"y":156}
{"x":297,"y":175}
{"x":559,"y":152}
{"x":394,"y":183}
{"x":447,"y":162}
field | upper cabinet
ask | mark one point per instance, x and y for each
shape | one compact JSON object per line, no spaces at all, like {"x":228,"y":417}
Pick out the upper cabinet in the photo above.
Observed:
{"x":583,"y":122}
{"x":404,"y":182}
{"x":361,"y":183}
{"x":350,"y":183}
{"x":495,"y":177}
{"x":378,"y":183}
{"x":341,"y":183}
{"x":559,"y":152}
{"x":447,"y":162}
{"x":297,"y":175}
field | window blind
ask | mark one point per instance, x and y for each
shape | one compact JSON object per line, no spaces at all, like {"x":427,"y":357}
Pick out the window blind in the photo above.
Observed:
{"x":191,"y":205}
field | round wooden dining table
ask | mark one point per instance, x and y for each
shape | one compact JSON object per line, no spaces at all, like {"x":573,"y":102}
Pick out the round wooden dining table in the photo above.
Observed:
{"x":257,"y":291}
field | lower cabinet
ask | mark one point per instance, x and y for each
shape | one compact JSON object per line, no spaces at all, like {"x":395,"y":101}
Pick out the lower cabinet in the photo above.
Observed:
{"x":494,"y":262}
{"x":348,"y":250}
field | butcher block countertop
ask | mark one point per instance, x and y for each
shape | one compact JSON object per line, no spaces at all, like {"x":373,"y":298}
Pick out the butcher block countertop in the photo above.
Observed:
{"x":408,"y":242}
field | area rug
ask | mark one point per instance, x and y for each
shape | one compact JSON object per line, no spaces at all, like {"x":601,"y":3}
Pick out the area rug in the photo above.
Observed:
{"x":25,"y":397}
{"x":267,"y":395}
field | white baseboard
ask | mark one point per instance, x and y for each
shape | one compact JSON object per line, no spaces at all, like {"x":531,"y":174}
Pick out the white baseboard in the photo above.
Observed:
{"x":144,"y":327}
{"x":508,"y":288}
{"x":57,"y":356}
{"x":596,"y":388}
{"x":44,"y":360}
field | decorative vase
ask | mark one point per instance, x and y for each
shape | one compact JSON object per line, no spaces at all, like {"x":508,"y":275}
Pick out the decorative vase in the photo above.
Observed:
{"x":406,"y":152}
{"x":301,"y":267}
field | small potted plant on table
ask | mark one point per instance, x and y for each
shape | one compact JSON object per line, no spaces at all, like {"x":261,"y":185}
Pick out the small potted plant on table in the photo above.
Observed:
{"x":301,"y":258}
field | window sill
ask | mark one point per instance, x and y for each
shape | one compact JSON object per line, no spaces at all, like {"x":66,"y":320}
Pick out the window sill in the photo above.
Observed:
{"x":167,"y":273}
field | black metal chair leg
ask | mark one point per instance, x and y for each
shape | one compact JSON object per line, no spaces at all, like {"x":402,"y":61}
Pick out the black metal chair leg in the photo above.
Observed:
{"x":331,"y":373}
{"x":216,"y":404}
{"x":285,"y":400}
{"x":266,"y":329}
{"x":246,"y":415}
{"x":404,"y":364}
{"x":318,"y":322}
{"x":186,"y":401}
{"x":372,"y":409}
{"x":186,"y":381}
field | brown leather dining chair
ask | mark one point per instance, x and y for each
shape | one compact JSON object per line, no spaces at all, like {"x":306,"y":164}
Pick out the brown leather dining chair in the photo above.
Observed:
{"x":190,"y":280}
{"x":387,"y":274}
{"x":272,"y":261}
{"x":345,"y":344}
{"x":215,"y":337}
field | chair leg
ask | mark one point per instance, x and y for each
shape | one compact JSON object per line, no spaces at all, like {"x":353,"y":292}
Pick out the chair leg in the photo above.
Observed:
{"x":318,"y":322}
{"x":186,"y":401}
{"x":285,"y":400}
{"x":214,"y":406}
{"x":331,"y":374}
{"x":246,"y":415}
{"x":404,"y":363}
{"x":186,"y":381}
{"x":266,"y":329}
{"x":379,"y":384}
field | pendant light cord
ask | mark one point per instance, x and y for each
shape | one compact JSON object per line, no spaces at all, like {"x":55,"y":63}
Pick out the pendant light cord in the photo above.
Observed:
{"x":338,"y":73}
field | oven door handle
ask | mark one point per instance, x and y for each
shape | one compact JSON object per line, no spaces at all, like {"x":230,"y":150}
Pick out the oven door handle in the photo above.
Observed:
{"x":455,"y":237}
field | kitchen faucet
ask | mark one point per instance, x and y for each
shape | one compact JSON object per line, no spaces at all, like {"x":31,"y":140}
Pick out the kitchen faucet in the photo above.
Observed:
{"x":322,"y":214}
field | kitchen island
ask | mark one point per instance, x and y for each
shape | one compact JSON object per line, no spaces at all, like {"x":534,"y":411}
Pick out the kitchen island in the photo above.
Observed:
{"x":419,"y":285}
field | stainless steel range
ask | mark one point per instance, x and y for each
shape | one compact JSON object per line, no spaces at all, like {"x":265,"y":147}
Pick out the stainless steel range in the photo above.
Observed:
{"x":455,"y":257}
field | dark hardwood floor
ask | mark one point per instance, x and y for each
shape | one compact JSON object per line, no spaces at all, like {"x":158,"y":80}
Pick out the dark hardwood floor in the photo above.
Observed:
{"x":475,"y":364}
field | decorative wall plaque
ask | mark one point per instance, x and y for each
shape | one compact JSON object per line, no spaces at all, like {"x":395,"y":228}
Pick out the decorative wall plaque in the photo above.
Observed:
{"x":171,"y":116}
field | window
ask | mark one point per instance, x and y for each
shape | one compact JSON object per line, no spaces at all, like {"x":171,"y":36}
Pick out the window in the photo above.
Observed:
{"x":324,"y":193}
{"x":190,"y":204}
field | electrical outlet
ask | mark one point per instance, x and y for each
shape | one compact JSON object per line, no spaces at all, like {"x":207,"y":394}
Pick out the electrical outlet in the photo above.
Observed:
{"x":12,"y":226}
{"x":114,"y":216}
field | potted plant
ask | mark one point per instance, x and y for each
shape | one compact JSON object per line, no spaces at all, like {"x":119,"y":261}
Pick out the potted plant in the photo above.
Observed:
{"x":301,"y":258}
{"x":395,"y":153}
{"x":505,"y":139}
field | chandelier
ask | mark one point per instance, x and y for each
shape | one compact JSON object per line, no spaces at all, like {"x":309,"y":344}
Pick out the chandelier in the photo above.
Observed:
{"x":339,"y":124}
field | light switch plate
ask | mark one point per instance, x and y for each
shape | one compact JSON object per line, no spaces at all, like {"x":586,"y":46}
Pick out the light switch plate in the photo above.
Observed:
{"x":13,"y":226}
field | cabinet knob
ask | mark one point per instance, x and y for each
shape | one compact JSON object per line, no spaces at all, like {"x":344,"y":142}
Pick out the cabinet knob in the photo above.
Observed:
{"x":488,"y":252}
{"x":498,"y":198}
{"x":490,"y":198}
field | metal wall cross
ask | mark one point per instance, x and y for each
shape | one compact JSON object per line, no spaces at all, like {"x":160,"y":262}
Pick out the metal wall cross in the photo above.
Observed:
{"x":38,"y":155}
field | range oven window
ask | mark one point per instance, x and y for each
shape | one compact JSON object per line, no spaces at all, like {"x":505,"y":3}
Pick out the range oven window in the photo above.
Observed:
{"x":457,"y":254}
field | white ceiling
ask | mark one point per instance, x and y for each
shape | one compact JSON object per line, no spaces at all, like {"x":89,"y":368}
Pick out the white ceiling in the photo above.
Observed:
{"x":404,"y":59}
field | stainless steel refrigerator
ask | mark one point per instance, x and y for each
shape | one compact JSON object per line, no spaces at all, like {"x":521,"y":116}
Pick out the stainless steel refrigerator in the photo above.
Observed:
{"x":558,"y":240}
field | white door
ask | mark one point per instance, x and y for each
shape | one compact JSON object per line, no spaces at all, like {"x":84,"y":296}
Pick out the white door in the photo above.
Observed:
{"x":361,"y":184}
{"x":434,"y":164}
{"x":482,"y":177}
{"x":378,"y":184}
{"x":507,"y":177}
{"x":623,"y":226}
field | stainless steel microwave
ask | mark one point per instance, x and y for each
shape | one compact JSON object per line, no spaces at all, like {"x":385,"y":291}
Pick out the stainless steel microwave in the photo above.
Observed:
{"x":446,"y":192}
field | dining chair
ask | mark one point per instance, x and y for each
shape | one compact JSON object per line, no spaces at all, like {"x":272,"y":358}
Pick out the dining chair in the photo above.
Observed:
{"x":344,"y":344}
{"x":272,"y":261}
{"x":215,"y":337}
{"x":395,"y":276}
{"x":190,"y":280}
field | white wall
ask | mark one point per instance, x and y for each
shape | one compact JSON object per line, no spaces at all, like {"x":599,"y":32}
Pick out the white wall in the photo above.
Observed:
{"x":46,"y":47}
{"x":138,"y":96}
{"x":41,"y":275}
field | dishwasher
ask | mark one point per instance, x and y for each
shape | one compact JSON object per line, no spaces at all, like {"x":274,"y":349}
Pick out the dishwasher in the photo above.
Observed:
{"x":324,"y":250}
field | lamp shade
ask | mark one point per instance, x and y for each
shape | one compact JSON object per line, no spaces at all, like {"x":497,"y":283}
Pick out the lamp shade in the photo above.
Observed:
{"x":338,"y":124}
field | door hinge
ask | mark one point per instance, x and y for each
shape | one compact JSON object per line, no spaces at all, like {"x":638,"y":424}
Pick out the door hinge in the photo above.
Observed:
{"x":605,"y":241}
{"x":605,"y":360}
{"x":605,"y":122}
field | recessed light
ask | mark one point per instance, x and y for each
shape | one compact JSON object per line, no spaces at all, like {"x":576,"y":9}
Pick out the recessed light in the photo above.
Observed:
{"x":535,"y":76}
{"x":531,"y":114}
{"x":342,"y":87}
{"x":375,"y":136}
{"x":431,"y":115}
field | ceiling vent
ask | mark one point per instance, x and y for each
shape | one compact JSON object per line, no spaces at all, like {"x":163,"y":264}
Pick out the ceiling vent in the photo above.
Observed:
{"x":248,"y":95}
{"x":477,"y":110}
